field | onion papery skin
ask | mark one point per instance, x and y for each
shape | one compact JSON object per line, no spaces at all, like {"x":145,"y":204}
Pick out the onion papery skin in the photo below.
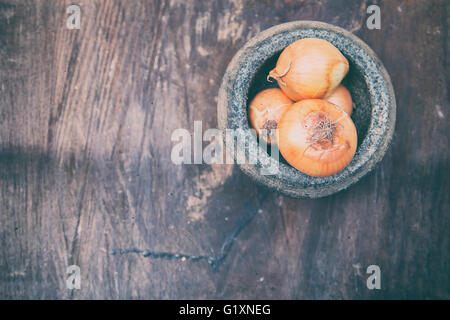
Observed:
{"x":320,"y":158}
{"x":342,"y":98}
{"x":265,"y":111}
{"x":309,"y":68}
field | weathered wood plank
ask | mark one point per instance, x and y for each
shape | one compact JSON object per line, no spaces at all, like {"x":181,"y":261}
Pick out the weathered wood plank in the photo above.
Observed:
{"x":85,"y":125}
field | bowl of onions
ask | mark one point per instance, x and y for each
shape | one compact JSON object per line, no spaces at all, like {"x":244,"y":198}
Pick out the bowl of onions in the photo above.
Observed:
{"x":318,"y":98}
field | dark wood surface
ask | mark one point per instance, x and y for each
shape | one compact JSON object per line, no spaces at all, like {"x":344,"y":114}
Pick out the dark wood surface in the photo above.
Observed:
{"x":86,"y":118}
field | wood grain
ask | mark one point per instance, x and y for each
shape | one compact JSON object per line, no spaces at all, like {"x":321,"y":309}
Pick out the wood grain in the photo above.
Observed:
{"x":86,"y":118}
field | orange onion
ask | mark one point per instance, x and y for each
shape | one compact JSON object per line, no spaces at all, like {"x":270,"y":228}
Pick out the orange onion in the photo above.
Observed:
{"x":309,"y":68}
{"x":265,"y":111}
{"x":342,"y":98}
{"x":317,"y":137}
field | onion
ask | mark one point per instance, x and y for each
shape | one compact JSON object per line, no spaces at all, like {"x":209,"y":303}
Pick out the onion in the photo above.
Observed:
{"x":341,"y":97}
{"x":317,"y":137}
{"x":265,"y":112}
{"x":309,"y":68}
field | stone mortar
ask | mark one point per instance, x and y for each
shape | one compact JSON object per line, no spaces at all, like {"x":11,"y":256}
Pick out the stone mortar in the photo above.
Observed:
{"x":369,"y":84}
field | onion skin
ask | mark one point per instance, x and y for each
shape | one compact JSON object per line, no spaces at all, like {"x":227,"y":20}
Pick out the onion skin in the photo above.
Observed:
{"x":299,"y":143}
{"x":265,"y":111}
{"x":342,"y":98}
{"x":309,"y":68}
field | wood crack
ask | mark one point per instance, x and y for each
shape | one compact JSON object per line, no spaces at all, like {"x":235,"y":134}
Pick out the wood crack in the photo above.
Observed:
{"x":212,"y":260}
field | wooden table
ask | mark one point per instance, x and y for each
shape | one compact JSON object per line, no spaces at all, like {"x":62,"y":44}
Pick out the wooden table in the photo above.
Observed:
{"x":86,"y":179}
